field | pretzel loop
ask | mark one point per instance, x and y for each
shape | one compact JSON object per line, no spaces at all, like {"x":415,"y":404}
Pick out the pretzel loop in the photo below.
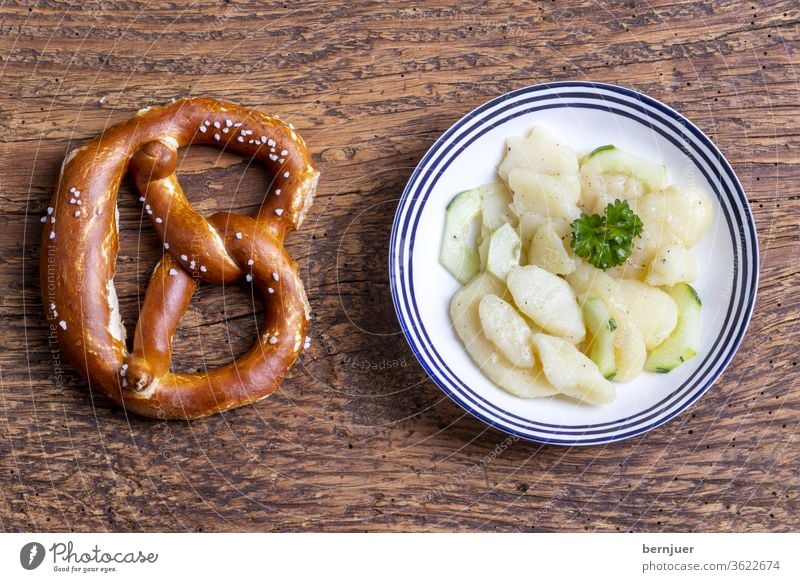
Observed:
{"x":222,"y":249}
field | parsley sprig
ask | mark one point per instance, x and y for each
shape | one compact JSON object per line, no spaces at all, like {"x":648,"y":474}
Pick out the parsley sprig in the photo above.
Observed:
{"x":606,"y":241}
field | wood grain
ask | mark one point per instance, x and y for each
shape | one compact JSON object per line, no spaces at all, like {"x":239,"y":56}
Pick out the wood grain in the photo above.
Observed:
{"x":358,"y":438}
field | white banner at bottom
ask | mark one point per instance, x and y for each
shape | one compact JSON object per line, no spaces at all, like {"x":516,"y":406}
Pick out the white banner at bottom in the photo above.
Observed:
{"x":378,"y":557}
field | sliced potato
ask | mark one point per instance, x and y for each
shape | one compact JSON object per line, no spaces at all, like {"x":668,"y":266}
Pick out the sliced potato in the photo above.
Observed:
{"x":592,"y":186}
{"x":529,"y":223}
{"x":629,"y":350}
{"x":700,"y":214}
{"x":507,"y":330}
{"x":678,"y":213}
{"x":465,"y":316}
{"x":635,"y":267}
{"x":654,"y":312}
{"x":548,"y":300}
{"x":540,"y":153}
{"x":571,"y":372}
{"x":600,"y":190}
{"x":655,"y":235}
{"x":572,"y":183}
{"x":495,"y":201}
{"x":543,"y":194}
{"x":672,"y":264}
{"x":611,"y":188}
{"x":548,"y":250}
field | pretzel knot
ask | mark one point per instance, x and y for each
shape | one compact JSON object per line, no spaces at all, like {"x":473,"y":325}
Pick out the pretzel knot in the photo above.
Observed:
{"x":80,"y":242}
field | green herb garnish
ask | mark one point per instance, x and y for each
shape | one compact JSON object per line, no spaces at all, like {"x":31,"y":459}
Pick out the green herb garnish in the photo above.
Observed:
{"x":606,"y":241}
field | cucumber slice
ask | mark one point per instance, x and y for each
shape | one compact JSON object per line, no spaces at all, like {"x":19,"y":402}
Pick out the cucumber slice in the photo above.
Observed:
{"x":483,"y":251}
{"x":609,"y":159}
{"x":504,"y":250}
{"x":599,"y":149}
{"x":683,"y":343}
{"x":601,"y":329}
{"x":459,"y":254}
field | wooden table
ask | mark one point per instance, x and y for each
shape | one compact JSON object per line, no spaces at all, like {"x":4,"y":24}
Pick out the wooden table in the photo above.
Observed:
{"x":358,"y":438}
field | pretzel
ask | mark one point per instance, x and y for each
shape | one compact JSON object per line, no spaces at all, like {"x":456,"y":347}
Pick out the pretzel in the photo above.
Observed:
{"x":80,"y":243}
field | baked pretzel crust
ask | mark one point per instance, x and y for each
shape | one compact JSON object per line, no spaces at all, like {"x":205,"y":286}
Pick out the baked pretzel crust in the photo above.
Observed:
{"x":80,"y":243}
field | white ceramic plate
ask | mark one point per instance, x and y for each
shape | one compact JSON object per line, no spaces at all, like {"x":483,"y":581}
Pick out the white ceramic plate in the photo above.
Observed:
{"x":585,"y":115}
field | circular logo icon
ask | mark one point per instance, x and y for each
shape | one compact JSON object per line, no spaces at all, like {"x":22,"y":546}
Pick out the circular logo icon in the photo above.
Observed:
{"x":31,"y":555}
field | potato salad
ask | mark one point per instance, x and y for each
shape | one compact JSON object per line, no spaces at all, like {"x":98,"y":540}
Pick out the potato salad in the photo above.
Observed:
{"x":576,"y":270}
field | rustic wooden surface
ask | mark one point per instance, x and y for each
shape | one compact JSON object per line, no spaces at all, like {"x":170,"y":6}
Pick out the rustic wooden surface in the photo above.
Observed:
{"x":358,"y":438}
